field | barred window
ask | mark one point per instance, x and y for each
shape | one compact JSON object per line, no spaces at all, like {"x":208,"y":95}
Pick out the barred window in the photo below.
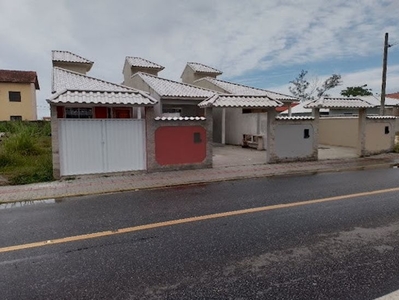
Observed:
{"x":78,"y":113}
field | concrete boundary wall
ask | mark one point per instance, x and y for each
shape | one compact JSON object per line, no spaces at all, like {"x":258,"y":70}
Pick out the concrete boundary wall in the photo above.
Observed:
{"x":339,"y":131}
{"x":379,"y":136}
{"x":292,"y":139}
{"x":151,"y":127}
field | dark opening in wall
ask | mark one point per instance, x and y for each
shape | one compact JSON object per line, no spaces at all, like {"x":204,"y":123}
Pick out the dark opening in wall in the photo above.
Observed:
{"x":306,"y":134}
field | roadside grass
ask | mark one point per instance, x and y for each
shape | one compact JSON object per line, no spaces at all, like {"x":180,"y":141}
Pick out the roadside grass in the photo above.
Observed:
{"x":25,"y":152}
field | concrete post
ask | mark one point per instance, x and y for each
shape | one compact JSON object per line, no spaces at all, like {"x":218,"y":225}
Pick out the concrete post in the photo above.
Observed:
{"x":361,"y":143}
{"x":316,"y":115}
{"x":209,"y":135}
{"x":290,"y":109}
{"x":55,"y":142}
{"x":150,"y":137}
{"x":223,"y":125}
{"x":271,"y":128}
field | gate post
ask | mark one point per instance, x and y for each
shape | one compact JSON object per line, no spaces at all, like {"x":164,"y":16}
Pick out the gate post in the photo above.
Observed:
{"x":271,"y":132}
{"x":150,"y":137}
{"x":55,"y":142}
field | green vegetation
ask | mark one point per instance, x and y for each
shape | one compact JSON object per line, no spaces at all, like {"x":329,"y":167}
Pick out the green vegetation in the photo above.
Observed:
{"x":25,"y":152}
{"x":353,"y":91}
{"x":396,"y":148}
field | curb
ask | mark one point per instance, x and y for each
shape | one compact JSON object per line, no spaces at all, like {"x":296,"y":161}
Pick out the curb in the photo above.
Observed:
{"x":202,"y":181}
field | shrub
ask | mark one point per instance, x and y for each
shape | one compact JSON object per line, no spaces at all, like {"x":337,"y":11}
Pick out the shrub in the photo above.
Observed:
{"x":23,"y":142}
{"x":396,"y":148}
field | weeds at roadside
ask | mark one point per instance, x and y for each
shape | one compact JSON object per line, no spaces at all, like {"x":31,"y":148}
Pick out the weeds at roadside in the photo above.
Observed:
{"x":25,"y":152}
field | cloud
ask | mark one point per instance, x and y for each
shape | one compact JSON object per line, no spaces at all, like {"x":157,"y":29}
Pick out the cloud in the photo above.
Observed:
{"x":231,"y":35}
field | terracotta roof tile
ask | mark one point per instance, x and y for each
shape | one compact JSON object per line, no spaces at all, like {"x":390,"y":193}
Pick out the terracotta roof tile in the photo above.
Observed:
{"x":15,"y":76}
{"x":393,"y":95}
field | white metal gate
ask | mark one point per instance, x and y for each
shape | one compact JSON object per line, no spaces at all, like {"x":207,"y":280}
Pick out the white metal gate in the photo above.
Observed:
{"x":101,"y":146}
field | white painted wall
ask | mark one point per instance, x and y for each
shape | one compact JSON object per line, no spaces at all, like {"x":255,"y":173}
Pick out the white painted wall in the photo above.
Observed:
{"x":238,"y":124}
{"x":290,"y":141}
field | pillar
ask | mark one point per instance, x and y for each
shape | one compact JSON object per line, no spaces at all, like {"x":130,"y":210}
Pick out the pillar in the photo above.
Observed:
{"x":271,"y":149}
{"x":361,"y":142}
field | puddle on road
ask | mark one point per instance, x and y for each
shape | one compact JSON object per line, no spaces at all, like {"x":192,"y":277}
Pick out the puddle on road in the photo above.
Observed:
{"x":28,"y":203}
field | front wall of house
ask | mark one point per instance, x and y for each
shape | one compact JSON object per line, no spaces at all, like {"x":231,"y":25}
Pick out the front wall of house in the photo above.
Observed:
{"x":26,"y":109}
{"x":238,"y":124}
{"x":74,"y":67}
{"x":339,"y":132}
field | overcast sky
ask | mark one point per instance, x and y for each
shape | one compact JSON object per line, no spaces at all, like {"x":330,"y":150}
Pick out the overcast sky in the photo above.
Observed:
{"x":263,"y":43}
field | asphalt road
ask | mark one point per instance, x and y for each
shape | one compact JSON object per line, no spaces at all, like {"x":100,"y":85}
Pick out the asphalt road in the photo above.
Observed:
{"x":343,"y":248}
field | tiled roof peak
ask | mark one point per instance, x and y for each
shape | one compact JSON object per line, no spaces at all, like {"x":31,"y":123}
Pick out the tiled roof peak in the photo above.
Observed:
{"x":134,"y":61}
{"x":170,"y":88}
{"x":201,"y":68}
{"x":67,"y":56}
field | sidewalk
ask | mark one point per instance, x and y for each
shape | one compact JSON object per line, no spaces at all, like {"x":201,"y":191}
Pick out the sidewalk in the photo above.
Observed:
{"x":108,"y":184}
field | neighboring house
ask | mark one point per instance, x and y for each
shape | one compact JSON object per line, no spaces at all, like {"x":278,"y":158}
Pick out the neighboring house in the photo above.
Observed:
{"x":391,"y":104}
{"x":301,"y":110}
{"x":391,"y":107}
{"x":393,"y":95}
{"x":18,"y":95}
{"x":230,"y":124}
{"x":175,"y":99}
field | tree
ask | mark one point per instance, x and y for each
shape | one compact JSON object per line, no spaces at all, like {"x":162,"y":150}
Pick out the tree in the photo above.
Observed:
{"x":357,"y":91}
{"x":305,"y":91}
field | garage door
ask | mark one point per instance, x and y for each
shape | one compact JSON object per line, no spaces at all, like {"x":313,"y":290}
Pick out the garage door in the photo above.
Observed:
{"x":101,"y":146}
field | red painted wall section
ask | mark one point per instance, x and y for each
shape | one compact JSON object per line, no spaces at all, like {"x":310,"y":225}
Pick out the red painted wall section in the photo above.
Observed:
{"x":60,"y":111}
{"x":180,"y":145}
{"x":100,"y":112}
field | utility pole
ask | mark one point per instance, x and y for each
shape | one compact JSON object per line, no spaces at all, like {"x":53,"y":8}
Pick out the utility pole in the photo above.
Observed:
{"x":384,"y":75}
